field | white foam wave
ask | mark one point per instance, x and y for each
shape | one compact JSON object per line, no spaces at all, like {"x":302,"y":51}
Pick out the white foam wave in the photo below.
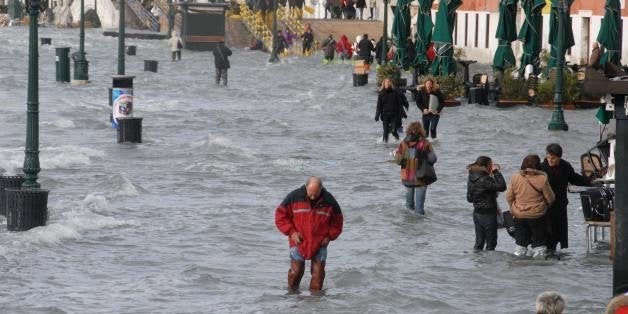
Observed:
{"x":291,"y":163}
{"x":11,"y":159}
{"x":220,"y":144}
{"x":114,"y":187}
{"x":66,"y":226}
{"x":67,"y":156}
{"x":63,"y":124}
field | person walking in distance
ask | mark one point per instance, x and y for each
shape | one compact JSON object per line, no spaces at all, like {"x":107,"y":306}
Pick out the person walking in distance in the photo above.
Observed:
{"x":221,"y":62}
{"x":176,"y":45}
{"x":430,"y":101}
{"x":311,"y":218}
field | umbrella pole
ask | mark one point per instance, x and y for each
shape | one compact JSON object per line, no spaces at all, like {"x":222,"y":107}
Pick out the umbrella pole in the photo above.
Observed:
{"x":558,"y":120}
{"x":385,"y":34}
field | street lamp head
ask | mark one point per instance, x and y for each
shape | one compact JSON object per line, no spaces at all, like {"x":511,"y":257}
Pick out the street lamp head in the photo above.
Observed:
{"x":36,"y":6}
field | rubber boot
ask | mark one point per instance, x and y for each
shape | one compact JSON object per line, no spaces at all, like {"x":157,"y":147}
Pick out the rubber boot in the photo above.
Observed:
{"x":520,"y":251}
{"x":540,"y":252}
{"x":295,"y":274}
{"x":318,"y":276}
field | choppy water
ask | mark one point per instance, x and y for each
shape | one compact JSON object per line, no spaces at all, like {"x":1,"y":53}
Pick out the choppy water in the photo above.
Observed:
{"x":185,"y":221}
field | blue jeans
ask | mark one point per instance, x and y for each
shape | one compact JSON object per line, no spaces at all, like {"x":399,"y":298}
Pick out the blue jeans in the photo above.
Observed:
{"x":320,"y":256}
{"x":415,"y":198}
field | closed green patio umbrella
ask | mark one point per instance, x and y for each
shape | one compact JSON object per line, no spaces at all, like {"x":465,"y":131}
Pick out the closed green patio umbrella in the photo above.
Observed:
{"x":609,"y":33}
{"x":444,"y":64}
{"x":567,"y":33}
{"x":506,"y":33}
{"x":423,"y":35}
{"x":400,"y":31}
{"x":530,"y":34}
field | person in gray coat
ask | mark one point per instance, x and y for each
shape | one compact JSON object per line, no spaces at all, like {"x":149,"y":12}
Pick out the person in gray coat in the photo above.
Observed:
{"x":329,"y":45}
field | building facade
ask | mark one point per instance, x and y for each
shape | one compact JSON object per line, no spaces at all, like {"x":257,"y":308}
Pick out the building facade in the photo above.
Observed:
{"x":477,"y":20}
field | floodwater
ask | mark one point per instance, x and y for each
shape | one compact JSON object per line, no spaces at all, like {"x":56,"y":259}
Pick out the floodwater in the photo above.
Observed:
{"x":184,"y":222}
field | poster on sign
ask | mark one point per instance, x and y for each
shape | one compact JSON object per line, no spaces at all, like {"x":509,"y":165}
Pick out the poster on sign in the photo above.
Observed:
{"x":122,"y":104}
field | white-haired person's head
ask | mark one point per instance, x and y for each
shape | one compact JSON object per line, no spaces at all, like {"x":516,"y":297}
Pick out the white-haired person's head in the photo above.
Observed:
{"x":550,"y":302}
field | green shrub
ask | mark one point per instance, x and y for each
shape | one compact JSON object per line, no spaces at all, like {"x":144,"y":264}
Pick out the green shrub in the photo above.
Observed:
{"x":572,"y":89}
{"x":388,"y":69}
{"x":513,"y":88}
{"x":451,"y":86}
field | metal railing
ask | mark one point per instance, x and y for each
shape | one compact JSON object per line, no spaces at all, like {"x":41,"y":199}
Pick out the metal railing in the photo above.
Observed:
{"x":144,"y":15}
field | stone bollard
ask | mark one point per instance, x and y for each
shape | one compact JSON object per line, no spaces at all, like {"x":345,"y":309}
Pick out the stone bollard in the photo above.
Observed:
{"x":130,"y":130}
{"x":26,"y":208}
{"x":5,"y":183}
{"x":150,"y":65}
{"x":131,"y":50}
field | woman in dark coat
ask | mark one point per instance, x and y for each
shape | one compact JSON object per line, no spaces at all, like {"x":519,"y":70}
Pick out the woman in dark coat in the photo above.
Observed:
{"x":389,"y":108}
{"x":560,"y":174}
{"x":484,"y":182}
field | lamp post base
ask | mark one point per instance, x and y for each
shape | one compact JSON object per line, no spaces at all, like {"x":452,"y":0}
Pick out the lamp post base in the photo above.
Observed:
{"x":558,"y":121}
{"x":81,"y":69}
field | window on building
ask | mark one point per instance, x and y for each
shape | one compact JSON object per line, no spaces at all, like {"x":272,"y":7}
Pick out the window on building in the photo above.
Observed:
{"x":477,"y":29}
{"x":488,"y":23}
{"x":456,"y":31}
{"x":466,"y":28}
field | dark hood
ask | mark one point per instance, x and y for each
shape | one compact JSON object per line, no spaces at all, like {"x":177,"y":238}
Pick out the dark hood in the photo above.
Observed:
{"x":412,"y":138}
{"x":476,"y":172}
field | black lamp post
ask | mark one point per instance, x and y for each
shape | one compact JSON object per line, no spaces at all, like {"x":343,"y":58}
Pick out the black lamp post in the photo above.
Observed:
{"x":558,"y":120}
{"x":273,"y":53}
{"x":121,"y":39}
{"x":81,"y":66}
{"x":385,"y":33}
{"x":27,"y":207}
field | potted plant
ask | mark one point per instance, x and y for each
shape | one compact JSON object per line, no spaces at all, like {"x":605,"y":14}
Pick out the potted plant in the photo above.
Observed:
{"x":513,"y":91}
{"x":573,"y":96}
{"x":452,"y":88}
{"x":386,"y":70}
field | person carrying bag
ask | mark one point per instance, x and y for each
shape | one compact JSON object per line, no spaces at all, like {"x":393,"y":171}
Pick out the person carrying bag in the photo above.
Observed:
{"x":412,"y":154}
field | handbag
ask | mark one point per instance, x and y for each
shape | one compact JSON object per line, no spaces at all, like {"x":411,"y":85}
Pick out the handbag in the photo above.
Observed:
{"x":509,"y":223}
{"x":179,"y":45}
{"x":426,"y":172}
{"x":500,"y":219}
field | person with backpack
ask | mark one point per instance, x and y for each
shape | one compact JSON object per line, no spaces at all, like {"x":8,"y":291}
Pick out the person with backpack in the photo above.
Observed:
{"x":221,"y":62}
{"x":414,"y":152}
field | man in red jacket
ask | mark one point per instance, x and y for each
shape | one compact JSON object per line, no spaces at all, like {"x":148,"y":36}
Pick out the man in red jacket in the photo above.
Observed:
{"x":311,"y":218}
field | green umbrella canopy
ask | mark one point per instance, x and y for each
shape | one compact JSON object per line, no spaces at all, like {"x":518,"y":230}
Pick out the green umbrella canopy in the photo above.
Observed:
{"x":444,"y":63}
{"x":400,"y":27}
{"x":506,"y":33}
{"x":423,"y":35}
{"x":530,"y":34}
{"x":554,"y":36}
{"x":609,"y":33}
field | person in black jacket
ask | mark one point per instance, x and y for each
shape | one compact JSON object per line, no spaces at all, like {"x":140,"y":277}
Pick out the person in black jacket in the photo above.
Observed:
{"x":430,"y":102}
{"x":560,"y":174}
{"x":389,"y":108}
{"x":484,"y":182}
{"x":221,"y":62}
{"x":365,"y":47}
